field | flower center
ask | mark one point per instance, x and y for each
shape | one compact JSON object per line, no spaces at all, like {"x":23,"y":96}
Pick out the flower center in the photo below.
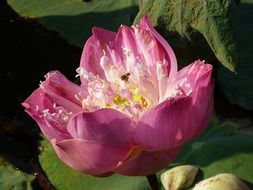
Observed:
{"x":134,"y":98}
{"x":126,"y":87}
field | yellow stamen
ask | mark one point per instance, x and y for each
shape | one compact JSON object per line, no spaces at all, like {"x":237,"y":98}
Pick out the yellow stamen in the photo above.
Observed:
{"x":139,"y":99}
{"x":119,"y":101}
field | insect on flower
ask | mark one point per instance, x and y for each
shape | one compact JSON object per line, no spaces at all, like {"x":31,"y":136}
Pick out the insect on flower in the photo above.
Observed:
{"x":125,"y":77}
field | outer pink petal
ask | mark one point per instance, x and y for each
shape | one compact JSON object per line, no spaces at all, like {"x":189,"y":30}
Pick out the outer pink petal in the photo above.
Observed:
{"x":102,"y":141}
{"x":148,"y":162}
{"x":94,"y":49}
{"x":178,"y":119}
{"x":199,"y":77}
{"x":91,"y":157}
{"x":192,"y":76}
{"x":161,"y":127}
{"x":103,"y":126}
{"x":170,"y":56}
{"x":62,"y":92}
{"x":55,"y":89}
{"x":58,"y":83}
{"x":52,"y":129}
{"x":34,"y":105}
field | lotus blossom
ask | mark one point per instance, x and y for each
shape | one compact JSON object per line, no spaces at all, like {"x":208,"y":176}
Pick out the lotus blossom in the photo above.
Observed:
{"x":133,"y":111}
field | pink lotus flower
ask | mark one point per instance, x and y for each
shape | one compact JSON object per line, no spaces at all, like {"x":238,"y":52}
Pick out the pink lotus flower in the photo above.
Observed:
{"x":133,"y":111}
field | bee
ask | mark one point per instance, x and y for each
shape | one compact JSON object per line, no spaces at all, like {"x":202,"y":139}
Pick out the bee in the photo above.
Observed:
{"x":125,"y":77}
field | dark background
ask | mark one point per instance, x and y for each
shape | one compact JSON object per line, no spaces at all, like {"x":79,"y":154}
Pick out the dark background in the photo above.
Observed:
{"x":28,"y":52}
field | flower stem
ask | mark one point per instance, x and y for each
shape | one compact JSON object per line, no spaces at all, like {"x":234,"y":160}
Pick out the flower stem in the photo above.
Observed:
{"x":153,"y":182}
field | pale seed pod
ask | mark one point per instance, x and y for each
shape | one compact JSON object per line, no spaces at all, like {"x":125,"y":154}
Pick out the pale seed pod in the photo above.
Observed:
{"x":224,"y":181}
{"x":179,"y":177}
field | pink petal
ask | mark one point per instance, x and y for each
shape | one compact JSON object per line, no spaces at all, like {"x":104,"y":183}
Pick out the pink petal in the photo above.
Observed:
{"x":103,"y":141}
{"x":91,"y":157}
{"x":151,"y":51}
{"x":94,"y":49}
{"x":203,"y":103}
{"x":107,"y":41}
{"x":148,"y":45}
{"x":137,"y":45}
{"x":57,"y":82}
{"x":192,"y":76}
{"x":106,"y":37}
{"x":148,"y":162}
{"x":106,"y":126}
{"x":62,"y":92}
{"x":126,"y":39}
{"x":178,"y":119}
{"x":169,"y":53}
{"x":52,"y":129}
{"x":161,"y":126}
{"x":56,"y":89}
{"x":37,"y":101}
{"x":34,"y":105}
{"x":141,"y":42}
